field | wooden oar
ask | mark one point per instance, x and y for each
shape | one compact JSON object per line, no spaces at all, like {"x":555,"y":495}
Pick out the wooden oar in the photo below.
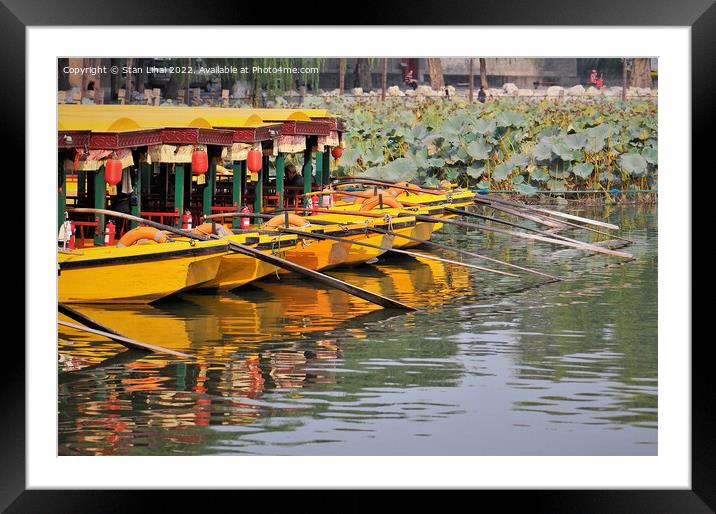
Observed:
{"x":492,"y":198}
{"x":537,"y":218}
{"x":417,"y":240}
{"x":124,"y":340}
{"x":271,"y":259}
{"x":358,"y":180}
{"x":562,"y":222}
{"x":580,"y":245}
{"x":461,"y":251}
{"x":113,"y":334}
{"x":588,"y":221}
{"x":396,"y":250}
{"x":516,"y":225}
{"x":324,"y":237}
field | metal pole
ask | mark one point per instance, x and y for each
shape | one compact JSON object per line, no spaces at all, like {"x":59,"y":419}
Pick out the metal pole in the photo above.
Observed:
{"x":472,"y":79}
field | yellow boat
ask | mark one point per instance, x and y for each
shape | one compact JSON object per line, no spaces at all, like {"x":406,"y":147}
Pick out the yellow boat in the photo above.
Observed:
{"x":326,"y":254}
{"x":394,"y":222}
{"x":237,"y":269}
{"x":356,"y":228}
{"x":140,"y":273}
{"x":420,"y":203}
{"x":318,"y":254}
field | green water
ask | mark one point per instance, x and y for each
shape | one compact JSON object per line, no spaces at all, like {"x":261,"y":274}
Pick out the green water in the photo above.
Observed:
{"x":490,"y":365}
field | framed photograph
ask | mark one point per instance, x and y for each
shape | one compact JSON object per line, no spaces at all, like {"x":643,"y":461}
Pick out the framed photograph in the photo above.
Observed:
{"x":278,"y":248}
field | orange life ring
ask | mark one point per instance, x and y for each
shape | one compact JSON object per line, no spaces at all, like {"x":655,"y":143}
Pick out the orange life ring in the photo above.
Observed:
{"x":293,"y":219}
{"x":139,"y":233}
{"x":206,"y":229}
{"x":363,"y":196}
{"x":388,"y":200}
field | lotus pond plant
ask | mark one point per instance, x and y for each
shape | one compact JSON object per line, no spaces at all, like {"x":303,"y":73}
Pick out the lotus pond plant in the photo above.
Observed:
{"x":515,"y":144}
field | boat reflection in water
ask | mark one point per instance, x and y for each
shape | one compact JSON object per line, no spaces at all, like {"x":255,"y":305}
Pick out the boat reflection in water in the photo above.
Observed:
{"x":272,"y":337}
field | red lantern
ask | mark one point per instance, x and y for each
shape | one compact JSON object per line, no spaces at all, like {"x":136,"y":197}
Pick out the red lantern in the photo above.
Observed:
{"x":199,"y":162}
{"x":113,"y":171}
{"x":337,"y":152}
{"x":253,"y":161}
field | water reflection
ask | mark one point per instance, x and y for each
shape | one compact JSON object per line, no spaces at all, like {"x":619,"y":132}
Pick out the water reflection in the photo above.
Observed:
{"x":283,"y":367}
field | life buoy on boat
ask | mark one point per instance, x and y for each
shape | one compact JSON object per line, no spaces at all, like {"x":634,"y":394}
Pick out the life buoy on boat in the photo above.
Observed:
{"x":139,"y":233}
{"x":397,"y":191}
{"x":206,"y":228}
{"x":293,"y":219}
{"x":362,"y":196}
{"x":388,"y":201}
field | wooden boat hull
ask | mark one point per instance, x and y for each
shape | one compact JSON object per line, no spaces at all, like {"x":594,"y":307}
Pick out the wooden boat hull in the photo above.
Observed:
{"x":141,"y":273}
{"x":421,"y":230}
{"x":317,"y":254}
{"x":236,"y":269}
{"x":361,"y":254}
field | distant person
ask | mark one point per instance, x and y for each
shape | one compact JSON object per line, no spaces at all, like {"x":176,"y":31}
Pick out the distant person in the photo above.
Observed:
{"x":410,"y":81}
{"x":292,"y":177}
{"x":481,"y":96}
{"x":593,"y":77}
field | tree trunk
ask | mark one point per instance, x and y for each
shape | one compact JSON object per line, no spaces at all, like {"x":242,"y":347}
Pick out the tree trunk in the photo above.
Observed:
{"x":128,"y":83}
{"x":365,"y":81}
{"x":384,"y":82}
{"x":471,"y":81}
{"x":483,"y":73}
{"x":341,"y":75}
{"x":175,"y":82}
{"x":641,"y":73}
{"x":63,"y":79}
{"x":98,"y":83}
{"x":85,"y":79}
{"x":435,"y":70}
{"x":142,"y":78}
{"x":624,"y":79}
{"x":114,"y":81}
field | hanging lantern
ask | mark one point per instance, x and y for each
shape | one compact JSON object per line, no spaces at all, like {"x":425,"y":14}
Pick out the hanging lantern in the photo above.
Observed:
{"x":337,"y":152}
{"x":199,"y":162}
{"x":113,"y":171}
{"x":253,"y":161}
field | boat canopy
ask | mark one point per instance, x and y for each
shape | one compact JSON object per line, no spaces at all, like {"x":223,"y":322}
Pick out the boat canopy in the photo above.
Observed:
{"x":122,"y":118}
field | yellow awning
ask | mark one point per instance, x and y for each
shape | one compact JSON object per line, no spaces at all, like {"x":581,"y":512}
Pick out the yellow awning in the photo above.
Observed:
{"x":120,"y":118}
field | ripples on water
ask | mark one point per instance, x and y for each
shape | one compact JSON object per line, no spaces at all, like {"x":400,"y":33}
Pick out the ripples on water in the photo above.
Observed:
{"x":490,"y":366}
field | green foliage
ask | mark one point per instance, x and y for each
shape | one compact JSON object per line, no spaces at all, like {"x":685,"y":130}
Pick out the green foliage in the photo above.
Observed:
{"x":516,"y":143}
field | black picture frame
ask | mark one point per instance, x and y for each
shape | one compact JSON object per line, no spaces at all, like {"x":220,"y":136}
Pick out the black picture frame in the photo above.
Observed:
{"x":700,"y":15}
